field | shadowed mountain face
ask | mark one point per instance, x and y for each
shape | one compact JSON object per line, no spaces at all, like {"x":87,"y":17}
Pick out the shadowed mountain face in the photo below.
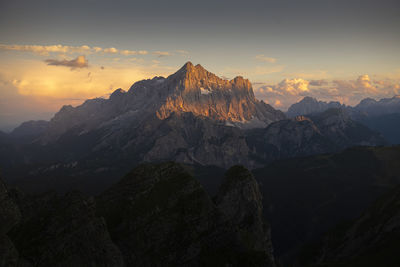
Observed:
{"x":367,"y":107}
{"x":382,"y":116}
{"x":157,"y":215}
{"x":305,"y":197}
{"x":309,"y":105}
{"x":329,"y":131}
{"x":91,"y":162}
{"x":373,"y":239}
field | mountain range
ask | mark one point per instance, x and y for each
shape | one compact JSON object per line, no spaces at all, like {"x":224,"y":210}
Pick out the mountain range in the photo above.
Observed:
{"x":382,"y":116}
{"x":192,"y":116}
{"x":367,"y":107}
{"x":210,"y":176}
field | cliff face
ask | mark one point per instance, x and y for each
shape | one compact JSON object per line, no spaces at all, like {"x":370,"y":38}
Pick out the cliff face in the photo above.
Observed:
{"x":240,"y":200}
{"x":194,"y":89}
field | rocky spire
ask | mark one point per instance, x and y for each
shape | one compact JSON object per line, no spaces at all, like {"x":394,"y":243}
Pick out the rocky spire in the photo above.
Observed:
{"x":240,"y":200}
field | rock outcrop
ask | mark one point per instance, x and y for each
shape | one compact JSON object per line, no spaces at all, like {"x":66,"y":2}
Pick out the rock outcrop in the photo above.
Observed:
{"x":48,"y":230}
{"x":159,"y":215}
{"x":240,"y":200}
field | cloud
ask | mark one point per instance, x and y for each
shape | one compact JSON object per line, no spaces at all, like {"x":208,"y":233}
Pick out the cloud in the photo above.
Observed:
{"x":264,"y":58}
{"x":349,"y":92}
{"x":362,"y":85}
{"x":131,"y":52}
{"x":111,"y":50}
{"x":46,"y":49}
{"x":97,"y":49}
{"x":161,"y":53}
{"x":79,"y":62}
{"x":30,"y":89}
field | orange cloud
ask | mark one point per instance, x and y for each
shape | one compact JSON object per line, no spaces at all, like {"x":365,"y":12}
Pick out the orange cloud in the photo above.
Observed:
{"x":33,"y":90}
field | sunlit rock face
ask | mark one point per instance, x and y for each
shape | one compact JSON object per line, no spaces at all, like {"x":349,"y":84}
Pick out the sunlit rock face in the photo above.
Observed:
{"x":191,"y":89}
{"x":194,"y":89}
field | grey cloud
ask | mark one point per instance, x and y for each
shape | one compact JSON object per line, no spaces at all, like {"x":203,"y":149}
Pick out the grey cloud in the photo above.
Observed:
{"x":79,"y":62}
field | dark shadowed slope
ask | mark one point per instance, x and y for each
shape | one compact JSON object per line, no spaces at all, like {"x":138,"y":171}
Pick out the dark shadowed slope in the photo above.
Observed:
{"x":304,"y":197}
{"x":373,"y":239}
{"x":157,"y":215}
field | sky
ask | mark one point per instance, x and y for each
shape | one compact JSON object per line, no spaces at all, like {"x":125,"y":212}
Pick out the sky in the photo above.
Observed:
{"x":58,"y":52}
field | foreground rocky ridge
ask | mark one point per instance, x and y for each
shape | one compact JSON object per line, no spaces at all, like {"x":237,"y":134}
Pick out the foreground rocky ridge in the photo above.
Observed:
{"x":157,"y":215}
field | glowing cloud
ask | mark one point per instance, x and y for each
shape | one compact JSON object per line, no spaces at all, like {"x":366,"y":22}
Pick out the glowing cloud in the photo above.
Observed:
{"x":111,"y":50}
{"x":46,"y":49}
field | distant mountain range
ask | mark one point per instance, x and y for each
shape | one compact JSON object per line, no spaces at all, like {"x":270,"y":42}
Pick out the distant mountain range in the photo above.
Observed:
{"x":192,"y":116}
{"x":382,"y":116}
{"x":367,"y":107}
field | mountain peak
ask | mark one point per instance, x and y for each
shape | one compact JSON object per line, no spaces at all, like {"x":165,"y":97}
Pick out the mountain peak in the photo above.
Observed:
{"x":191,"y":89}
{"x":187,"y":66}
